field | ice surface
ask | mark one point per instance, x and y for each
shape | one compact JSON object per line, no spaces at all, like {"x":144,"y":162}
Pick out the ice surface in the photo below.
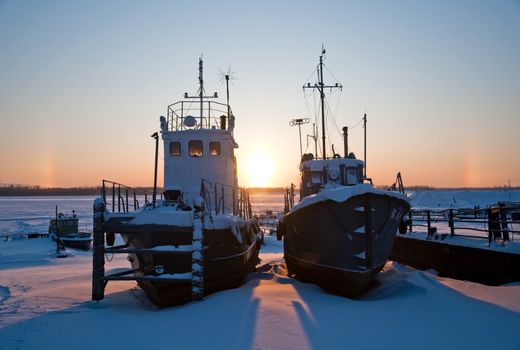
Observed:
{"x":441,"y":199}
{"x":46,"y":301}
{"x":50,"y":302}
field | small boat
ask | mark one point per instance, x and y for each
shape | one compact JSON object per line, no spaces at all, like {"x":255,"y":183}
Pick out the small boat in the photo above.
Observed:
{"x":201,"y":236}
{"x":341,"y":232}
{"x":64,"y":229}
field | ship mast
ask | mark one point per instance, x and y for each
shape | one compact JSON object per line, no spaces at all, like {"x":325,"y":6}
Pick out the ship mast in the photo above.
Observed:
{"x":200,"y":95}
{"x":201,"y":88}
{"x":321,"y":88}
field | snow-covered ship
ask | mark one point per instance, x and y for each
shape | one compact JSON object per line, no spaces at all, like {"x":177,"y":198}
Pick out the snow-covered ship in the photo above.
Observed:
{"x":201,"y":237}
{"x":341,"y":232}
{"x":64,"y":229}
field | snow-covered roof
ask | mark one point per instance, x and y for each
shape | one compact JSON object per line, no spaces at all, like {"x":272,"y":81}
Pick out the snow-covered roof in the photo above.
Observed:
{"x":163,"y":215}
{"x":342,"y":193}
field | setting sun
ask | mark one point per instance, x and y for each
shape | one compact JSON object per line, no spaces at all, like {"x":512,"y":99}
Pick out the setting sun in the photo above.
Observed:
{"x":259,"y":169}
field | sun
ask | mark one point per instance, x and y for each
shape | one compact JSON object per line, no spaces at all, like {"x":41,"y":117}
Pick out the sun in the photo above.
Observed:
{"x":259,"y":169}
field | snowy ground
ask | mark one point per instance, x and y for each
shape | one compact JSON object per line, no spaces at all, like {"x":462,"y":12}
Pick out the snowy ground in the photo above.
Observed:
{"x":45,"y":303}
{"x":466,"y":198}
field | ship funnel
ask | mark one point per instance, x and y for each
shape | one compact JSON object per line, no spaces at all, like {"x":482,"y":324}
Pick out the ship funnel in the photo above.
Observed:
{"x":345,"y":141}
{"x":223,"y":122}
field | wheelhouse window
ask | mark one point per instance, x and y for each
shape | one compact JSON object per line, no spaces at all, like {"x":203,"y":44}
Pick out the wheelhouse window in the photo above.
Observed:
{"x":352,"y":176}
{"x":195,"y":148}
{"x":214,"y":148}
{"x":316,"y":177}
{"x":175,"y":149}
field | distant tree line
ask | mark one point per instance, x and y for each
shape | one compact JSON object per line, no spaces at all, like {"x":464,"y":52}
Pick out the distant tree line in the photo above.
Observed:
{"x":265,"y":189}
{"x":22,"y":190}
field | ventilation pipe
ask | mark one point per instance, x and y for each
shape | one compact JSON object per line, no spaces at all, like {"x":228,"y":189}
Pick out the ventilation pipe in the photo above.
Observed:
{"x":345,"y":142}
{"x":223,"y":122}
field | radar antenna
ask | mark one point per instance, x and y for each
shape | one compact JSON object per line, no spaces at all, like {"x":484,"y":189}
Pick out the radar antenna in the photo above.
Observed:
{"x":321,"y":87}
{"x":227,"y":77}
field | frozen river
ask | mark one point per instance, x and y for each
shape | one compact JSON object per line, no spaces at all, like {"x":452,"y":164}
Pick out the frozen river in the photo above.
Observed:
{"x":32,"y":214}
{"x":46,"y":302}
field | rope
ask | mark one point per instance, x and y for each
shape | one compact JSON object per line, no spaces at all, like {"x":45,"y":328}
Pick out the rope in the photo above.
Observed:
{"x":310,"y":75}
{"x":336,"y":79}
{"x":359,"y":122}
{"x":331,"y":116}
{"x":307,"y":103}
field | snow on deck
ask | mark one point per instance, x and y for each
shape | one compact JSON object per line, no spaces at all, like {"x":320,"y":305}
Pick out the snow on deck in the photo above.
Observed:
{"x":45,"y":301}
{"x":163,"y":215}
{"x":342,"y":193}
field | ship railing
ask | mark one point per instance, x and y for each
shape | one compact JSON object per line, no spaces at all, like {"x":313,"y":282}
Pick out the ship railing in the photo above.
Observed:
{"x":225,"y":199}
{"x":187,"y":115}
{"x":120,"y":198}
{"x":494,"y":223}
{"x":288,"y":198}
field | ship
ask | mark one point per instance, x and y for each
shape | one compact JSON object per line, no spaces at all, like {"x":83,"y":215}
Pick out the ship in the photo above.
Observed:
{"x":341,"y":233}
{"x":64,"y":230}
{"x":199,"y":236}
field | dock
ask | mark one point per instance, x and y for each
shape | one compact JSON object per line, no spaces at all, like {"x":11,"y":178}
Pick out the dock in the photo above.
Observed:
{"x":478,"y":245}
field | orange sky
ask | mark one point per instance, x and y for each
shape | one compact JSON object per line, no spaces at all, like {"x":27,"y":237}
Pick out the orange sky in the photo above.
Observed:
{"x":83,"y":86}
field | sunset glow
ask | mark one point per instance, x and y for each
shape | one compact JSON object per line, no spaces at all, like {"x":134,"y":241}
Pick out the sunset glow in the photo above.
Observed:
{"x":441,"y":109}
{"x":260,"y":169}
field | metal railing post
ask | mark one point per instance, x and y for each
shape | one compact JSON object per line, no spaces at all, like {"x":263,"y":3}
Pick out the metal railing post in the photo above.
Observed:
{"x":428,"y":223}
{"x":118,"y":198}
{"x":450,"y":223}
{"x":490,"y":231}
{"x":113,"y":197}
{"x":234,"y":194}
{"x":249,"y":207}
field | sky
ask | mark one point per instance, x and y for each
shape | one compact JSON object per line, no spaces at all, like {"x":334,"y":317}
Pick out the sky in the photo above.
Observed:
{"x":83,"y":83}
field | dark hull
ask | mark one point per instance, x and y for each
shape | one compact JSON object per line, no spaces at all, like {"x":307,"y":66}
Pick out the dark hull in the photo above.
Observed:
{"x":76,"y":242}
{"x":219,"y":275}
{"x":226,"y":261}
{"x":326,"y":243}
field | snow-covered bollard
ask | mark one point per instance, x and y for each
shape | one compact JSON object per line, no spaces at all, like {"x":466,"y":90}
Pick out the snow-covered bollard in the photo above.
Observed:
{"x":98,"y":259}
{"x":197,"y":268}
{"x":198,"y":203}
